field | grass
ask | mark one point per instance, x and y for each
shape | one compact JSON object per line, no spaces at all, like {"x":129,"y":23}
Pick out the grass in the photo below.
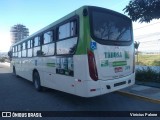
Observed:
{"x":148,"y":60}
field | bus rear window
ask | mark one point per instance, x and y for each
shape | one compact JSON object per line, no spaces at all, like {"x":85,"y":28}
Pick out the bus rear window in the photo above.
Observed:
{"x":110,"y":27}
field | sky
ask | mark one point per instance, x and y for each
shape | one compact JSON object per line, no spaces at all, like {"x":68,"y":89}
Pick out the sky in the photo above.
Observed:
{"x":36,"y":14}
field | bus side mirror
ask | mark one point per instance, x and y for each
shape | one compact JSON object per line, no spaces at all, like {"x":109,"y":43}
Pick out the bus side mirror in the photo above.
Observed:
{"x":10,"y":55}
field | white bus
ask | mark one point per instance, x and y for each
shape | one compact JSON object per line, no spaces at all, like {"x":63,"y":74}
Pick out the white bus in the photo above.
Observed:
{"x":89,"y":52}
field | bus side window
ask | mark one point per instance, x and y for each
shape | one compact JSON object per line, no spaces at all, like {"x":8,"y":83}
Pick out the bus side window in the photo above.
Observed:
{"x":68,"y":30}
{"x":29,"y":44}
{"x":24,"y":49}
{"x":73,"y":28}
{"x":67,"y":38}
{"x":15,"y":54}
{"x":16,"y":51}
{"x":29,"y":47}
{"x":36,"y":41}
{"x":48,"y":37}
{"x":36,"y":49}
{"x":64,"y":31}
{"x":48,"y":47}
{"x":19,"y":50}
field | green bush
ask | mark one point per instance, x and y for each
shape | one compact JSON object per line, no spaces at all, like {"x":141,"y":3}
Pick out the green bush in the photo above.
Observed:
{"x":147,"y":75}
{"x":2,"y":59}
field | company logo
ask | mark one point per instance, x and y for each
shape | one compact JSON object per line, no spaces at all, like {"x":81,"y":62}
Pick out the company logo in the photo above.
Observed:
{"x":104,"y":63}
{"x":113,"y":54}
{"x":6,"y":114}
{"x":21,"y":114}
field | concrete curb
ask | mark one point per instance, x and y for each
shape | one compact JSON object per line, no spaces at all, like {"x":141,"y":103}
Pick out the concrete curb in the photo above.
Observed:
{"x":139,"y":97}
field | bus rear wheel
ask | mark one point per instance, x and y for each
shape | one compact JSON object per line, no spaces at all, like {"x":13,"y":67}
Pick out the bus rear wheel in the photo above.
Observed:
{"x":36,"y":81}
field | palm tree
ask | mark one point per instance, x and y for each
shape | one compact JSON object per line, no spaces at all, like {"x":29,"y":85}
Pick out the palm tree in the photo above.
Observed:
{"x":19,"y":32}
{"x":136,"y":45}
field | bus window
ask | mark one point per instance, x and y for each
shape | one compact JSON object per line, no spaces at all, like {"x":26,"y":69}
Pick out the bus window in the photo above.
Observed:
{"x":24,"y":49}
{"x":48,"y":37}
{"x":29,"y":44}
{"x":67,"y":32}
{"x":36,"y":50}
{"x":29,"y":47}
{"x":74,"y":28}
{"x":19,"y":50}
{"x":64,"y":31}
{"x":36,"y":41}
{"x":66,"y":46}
{"x":15,"y":54}
{"x":24,"y":46}
{"x":115,"y":28}
{"x":48,"y":46}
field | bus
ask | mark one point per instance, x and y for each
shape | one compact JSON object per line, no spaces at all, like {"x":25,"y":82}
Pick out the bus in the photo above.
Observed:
{"x":87,"y":53}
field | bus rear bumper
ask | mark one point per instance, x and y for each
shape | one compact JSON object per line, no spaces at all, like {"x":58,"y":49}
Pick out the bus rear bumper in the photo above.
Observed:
{"x":107,"y":86}
{"x":117,"y":84}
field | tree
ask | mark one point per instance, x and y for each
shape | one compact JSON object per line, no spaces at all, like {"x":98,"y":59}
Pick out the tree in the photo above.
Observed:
{"x":143,"y":10}
{"x":19,"y":32}
{"x":136,"y":45}
{"x":3,"y":59}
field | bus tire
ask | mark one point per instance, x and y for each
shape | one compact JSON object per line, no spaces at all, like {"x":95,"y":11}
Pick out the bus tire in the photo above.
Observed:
{"x":36,"y":81}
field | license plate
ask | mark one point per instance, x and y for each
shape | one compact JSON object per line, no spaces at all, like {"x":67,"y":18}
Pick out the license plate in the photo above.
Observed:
{"x":118,"y":69}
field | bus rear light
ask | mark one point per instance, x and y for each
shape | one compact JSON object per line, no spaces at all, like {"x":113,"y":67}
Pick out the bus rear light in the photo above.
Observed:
{"x":92,"y":66}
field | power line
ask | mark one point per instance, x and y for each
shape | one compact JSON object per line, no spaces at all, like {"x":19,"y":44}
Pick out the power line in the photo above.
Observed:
{"x":146,"y":26}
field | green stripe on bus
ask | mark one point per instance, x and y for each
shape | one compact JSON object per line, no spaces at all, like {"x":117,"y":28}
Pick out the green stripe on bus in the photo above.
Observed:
{"x":84,"y":38}
{"x":51,"y":64}
{"x":119,"y":63}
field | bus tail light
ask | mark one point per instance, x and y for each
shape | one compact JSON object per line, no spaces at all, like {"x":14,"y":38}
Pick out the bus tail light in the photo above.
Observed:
{"x":92,"y":66}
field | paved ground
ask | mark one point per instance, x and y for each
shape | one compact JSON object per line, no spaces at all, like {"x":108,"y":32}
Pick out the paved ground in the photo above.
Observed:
{"x":147,"y":93}
{"x":151,"y":84}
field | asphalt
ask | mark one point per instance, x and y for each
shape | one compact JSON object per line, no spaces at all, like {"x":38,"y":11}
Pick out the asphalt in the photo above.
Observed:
{"x":140,"y":91}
